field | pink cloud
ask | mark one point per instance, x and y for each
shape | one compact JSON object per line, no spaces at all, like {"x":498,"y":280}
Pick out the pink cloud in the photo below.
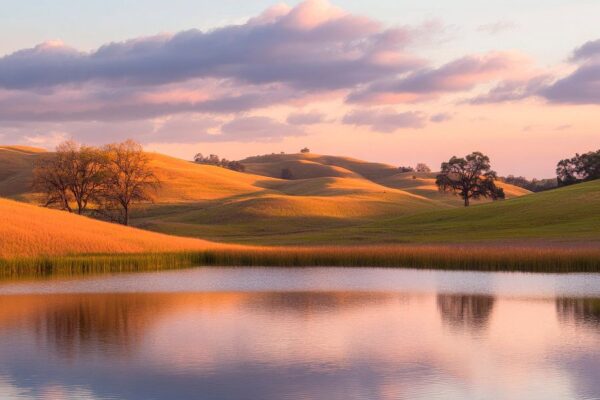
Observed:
{"x":385,"y":120}
{"x":459,"y":75}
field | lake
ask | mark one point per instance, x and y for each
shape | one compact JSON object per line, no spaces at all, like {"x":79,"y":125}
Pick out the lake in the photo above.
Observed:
{"x":305,"y":333}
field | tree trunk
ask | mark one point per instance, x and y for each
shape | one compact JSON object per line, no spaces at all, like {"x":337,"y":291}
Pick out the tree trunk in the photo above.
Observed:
{"x":466,"y":201}
{"x":126,"y":219}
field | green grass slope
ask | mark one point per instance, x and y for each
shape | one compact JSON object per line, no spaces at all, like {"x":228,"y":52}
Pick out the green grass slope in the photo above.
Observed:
{"x":570,"y":215}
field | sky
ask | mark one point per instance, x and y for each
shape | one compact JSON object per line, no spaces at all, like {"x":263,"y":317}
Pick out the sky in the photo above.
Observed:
{"x":393,"y":81}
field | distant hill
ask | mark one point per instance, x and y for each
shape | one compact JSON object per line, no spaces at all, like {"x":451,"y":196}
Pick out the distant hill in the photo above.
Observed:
{"x":16,"y":166}
{"x":308,"y":166}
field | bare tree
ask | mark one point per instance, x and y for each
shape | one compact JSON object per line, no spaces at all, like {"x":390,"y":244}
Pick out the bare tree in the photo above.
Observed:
{"x":74,"y":174}
{"x":52,"y":181}
{"x":422,"y":168}
{"x":130,"y":178}
{"x":470,"y":177}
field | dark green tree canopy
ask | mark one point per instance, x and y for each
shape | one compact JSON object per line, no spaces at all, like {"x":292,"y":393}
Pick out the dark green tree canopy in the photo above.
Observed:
{"x":581,"y":168}
{"x":470,"y":177}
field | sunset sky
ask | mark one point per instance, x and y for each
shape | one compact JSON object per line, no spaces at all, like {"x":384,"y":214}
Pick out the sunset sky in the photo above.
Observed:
{"x":394,"y":81}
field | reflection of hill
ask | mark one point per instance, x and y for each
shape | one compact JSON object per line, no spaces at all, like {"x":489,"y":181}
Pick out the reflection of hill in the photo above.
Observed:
{"x":462,"y":311}
{"x":112,"y":323}
{"x":579,"y":311}
{"x":310,"y":302}
{"x":82,"y":323}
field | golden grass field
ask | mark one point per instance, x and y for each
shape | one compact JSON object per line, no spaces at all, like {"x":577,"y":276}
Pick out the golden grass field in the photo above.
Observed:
{"x":388,"y":218}
{"x":31,"y":231}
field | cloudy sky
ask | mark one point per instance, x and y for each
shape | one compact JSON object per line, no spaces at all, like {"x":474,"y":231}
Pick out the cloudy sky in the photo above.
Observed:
{"x":396,"y":81}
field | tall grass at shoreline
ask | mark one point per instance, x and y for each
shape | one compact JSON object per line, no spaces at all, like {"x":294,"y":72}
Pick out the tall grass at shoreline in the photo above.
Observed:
{"x":484,"y":258}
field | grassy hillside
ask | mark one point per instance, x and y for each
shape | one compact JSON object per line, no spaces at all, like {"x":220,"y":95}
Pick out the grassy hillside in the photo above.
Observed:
{"x":16,"y":166}
{"x":305,"y":166}
{"x":185,"y":181}
{"x":31,"y":231}
{"x":567,"y":215}
{"x":330,"y":166}
{"x":423,"y":184}
{"x":338,"y":200}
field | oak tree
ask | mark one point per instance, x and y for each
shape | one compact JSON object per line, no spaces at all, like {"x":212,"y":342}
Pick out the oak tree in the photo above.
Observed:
{"x":470,"y":177}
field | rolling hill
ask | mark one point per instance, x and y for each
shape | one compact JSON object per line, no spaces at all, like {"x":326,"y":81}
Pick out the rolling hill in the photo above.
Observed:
{"x":328,"y":194}
{"x":16,"y":166}
{"x":569,"y":216}
{"x":28,"y":230}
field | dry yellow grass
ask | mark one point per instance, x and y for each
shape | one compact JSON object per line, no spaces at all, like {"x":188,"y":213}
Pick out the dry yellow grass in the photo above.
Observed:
{"x":16,"y":167}
{"x":185,"y":181}
{"x":330,"y":166}
{"x":383,"y":175}
{"x":301,"y":169}
{"x":30,"y":231}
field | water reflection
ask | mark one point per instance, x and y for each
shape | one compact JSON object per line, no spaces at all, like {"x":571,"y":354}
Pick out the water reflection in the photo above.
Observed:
{"x":579,"y":311}
{"x":463,"y":311}
{"x":298,"y":345}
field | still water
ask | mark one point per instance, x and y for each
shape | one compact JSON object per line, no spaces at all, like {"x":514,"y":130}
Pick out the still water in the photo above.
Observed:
{"x":312,"y":333}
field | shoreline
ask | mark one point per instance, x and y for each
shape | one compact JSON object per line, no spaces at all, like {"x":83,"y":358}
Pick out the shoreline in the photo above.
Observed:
{"x":542,"y":259}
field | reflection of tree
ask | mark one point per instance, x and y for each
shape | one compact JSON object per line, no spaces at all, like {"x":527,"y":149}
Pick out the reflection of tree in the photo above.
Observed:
{"x":579,"y":311}
{"x":88,"y":322}
{"x":308,"y":302}
{"x":459,"y":311}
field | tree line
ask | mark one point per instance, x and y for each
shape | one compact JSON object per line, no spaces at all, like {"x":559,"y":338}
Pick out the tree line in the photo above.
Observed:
{"x":533,"y":185}
{"x":104,"y":181}
{"x":420,"y":168}
{"x":580,"y":168}
{"x":215,"y":160}
{"x":471,"y":177}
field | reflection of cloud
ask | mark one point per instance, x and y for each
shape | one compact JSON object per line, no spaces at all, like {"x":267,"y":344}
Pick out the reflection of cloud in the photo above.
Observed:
{"x":257,"y":345}
{"x":462,"y":311}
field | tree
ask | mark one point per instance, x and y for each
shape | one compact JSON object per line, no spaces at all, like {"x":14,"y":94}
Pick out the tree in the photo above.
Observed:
{"x":130,"y":178}
{"x":470,"y":177}
{"x":286,"y":173}
{"x":581,"y":168}
{"x":305,"y":150}
{"x":199,"y":158}
{"x":52,"y":181}
{"x":534,"y":185}
{"x":214,"y":159}
{"x":74,"y":174}
{"x":406,"y":169}
{"x":422,"y":168}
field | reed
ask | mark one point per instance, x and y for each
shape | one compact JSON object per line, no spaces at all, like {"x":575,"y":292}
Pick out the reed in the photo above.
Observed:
{"x":482,"y":258}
